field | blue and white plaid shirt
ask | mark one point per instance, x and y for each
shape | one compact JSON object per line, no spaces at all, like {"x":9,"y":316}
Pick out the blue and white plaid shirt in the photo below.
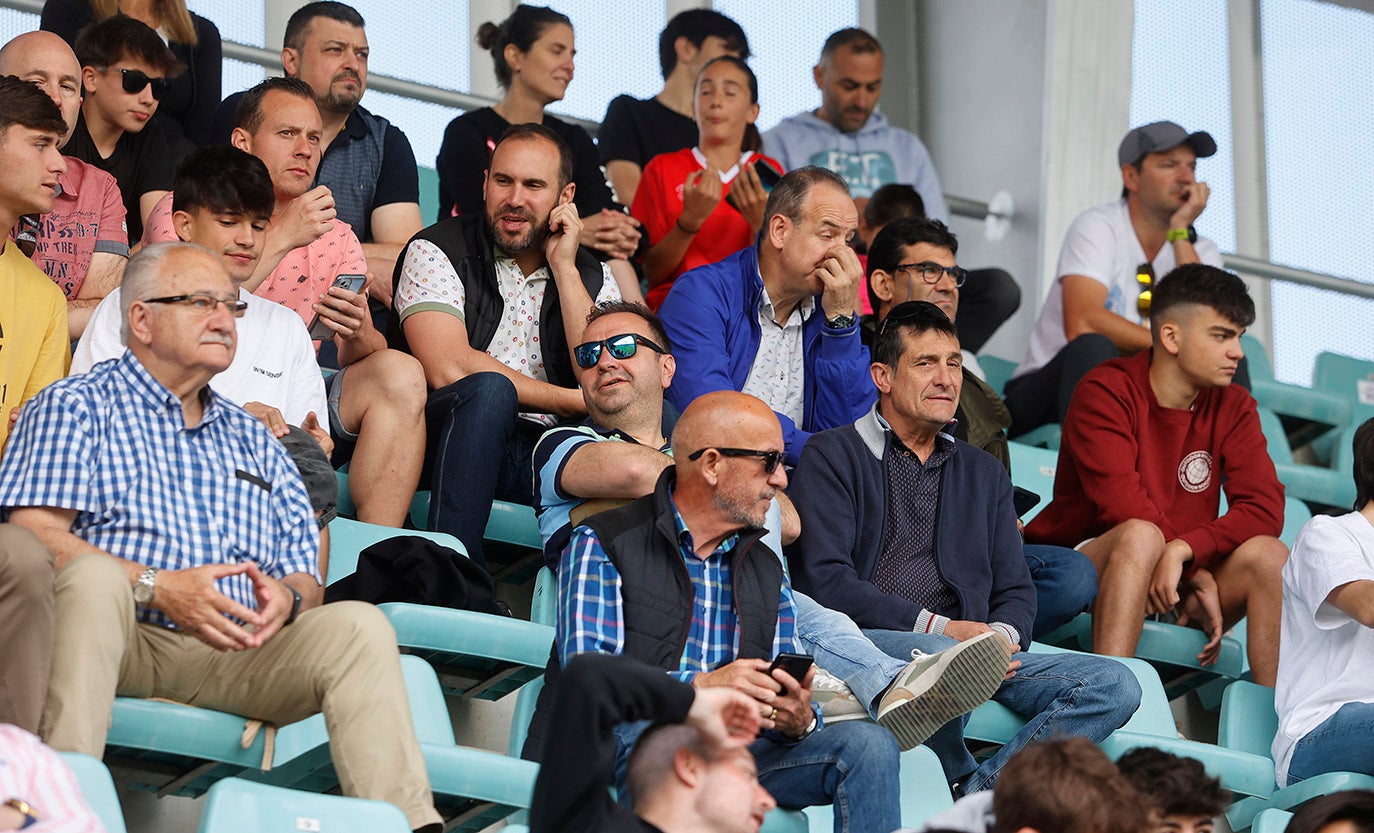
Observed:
{"x":113,"y":445}
{"x":590,"y":617}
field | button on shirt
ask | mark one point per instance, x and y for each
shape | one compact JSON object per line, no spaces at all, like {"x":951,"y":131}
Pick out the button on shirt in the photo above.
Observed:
{"x":906,"y":564}
{"x":778,"y":375}
{"x":113,"y":445}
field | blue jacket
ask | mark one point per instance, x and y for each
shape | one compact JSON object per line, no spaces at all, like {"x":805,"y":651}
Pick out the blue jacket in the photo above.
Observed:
{"x":712,"y":316}
{"x":840,"y":491}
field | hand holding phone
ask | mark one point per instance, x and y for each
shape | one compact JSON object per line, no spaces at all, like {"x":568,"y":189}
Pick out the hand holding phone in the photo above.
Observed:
{"x":796,"y":665}
{"x":319,"y":330}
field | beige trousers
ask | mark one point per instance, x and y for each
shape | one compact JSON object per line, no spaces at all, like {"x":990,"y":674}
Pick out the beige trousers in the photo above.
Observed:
{"x":339,"y":658}
{"x":26,"y":623}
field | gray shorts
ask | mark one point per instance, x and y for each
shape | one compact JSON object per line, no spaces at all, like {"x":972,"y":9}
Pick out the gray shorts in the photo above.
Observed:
{"x":333,"y":388}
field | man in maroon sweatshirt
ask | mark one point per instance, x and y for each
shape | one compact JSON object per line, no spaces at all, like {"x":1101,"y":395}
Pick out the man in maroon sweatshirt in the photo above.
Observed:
{"x":1148,"y":445}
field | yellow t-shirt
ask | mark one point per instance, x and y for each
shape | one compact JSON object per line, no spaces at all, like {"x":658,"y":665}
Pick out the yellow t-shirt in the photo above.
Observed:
{"x":34,"y":346}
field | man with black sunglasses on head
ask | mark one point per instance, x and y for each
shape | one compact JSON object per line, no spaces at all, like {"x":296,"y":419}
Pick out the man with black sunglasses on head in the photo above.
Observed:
{"x":124,"y":70}
{"x":1099,"y":306}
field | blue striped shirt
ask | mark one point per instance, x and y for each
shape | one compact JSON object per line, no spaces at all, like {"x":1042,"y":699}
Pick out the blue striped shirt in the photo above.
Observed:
{"x":590,"y":618}
{"x":112,"y":444}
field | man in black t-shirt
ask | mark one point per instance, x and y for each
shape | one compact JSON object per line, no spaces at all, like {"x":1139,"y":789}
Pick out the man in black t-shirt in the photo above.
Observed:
{"x":124,"y":70}
{"x":635,"y":131}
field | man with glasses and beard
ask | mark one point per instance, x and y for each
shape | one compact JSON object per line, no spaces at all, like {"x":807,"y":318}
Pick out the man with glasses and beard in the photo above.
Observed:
{"x":489,"y":304}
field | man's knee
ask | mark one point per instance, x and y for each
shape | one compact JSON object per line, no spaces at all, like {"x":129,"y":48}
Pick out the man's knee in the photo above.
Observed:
{"x":479,"y":398}
{"x":26,"y":566}
{"x":1262,"y":558}
{"x":860,"y":744}
{"x":387,"y":377}
{"x":1091,"y":349}
{"x":92,"y":580}
{"x":355,"y":626}
{"x":1137,"y":541}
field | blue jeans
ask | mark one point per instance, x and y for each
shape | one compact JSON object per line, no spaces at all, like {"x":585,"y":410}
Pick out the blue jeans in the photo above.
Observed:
{"x":1339,"y":744}
{"x":1058,"y":694}
{"x":481,"y":452}
{"x":1065,"y":584}
{"x":842,"y":649}
{"x":851,"y":765}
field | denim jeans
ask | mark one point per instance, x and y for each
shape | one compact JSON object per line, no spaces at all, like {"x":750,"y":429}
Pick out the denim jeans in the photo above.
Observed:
{"x":481,"y":451}
{"x":852,"y":766}
{"x":1065,"y":584}
{"x":1339,"y":744}
{"x":842,"y":649}
{"x":1058,"y":694}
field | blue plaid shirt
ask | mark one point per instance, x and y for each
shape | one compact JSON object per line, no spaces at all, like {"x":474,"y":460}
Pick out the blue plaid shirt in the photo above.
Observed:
{"x":112,"y":444}
{"x":590,"y":617}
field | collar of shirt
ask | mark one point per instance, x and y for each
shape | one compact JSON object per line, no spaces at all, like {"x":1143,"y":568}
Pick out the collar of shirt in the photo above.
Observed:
{"x":942,"y":437}
{"x":725,"y":176}
{"x":506,"y":265}
{"x":66,"y":181}
{"x":684,"y":538}
{"x":157,"y":395}
{"x":800,"y":315}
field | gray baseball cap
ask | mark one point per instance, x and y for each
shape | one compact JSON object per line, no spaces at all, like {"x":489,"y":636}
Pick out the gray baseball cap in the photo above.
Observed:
{"x":1162,"y":135}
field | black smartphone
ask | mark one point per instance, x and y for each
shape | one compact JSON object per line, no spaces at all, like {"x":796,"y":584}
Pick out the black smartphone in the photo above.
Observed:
{"x":1023,"y":500}
{"x":768,"y":174}
{"x":796,"y":665}
{"x":319,"y":331}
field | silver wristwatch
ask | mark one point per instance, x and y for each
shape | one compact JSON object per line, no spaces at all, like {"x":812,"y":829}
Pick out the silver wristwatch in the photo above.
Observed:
{"x":143,"y":588}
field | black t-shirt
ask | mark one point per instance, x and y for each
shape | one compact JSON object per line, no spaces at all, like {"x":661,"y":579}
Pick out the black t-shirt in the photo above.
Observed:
{"x":637,"y":130}
{"x":140,"y":163}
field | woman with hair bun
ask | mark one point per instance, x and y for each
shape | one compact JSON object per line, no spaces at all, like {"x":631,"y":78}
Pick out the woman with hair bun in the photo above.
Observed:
{"x":532,"y":51}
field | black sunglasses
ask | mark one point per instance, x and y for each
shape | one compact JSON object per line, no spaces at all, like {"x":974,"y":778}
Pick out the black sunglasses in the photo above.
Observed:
{"x":202,"y":304}
{"x":134,"y":80}
{"x":621,"y":347}
{"x":771,"y":459}
{"x":1145,"y":276}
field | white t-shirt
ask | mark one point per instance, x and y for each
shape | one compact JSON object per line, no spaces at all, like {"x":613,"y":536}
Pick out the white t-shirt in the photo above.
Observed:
{"x":1324,"y":655}
{"x":274,"y":362}
{"x":1101,"y":244}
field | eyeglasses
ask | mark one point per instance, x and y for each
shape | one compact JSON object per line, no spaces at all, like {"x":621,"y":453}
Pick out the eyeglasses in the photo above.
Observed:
{"x":621,"y":347}
{"x":931,"y":272}
{"x":202,"y":304}
{"x":1145,"y":276}
{"x":134,"y":80}
{"x":771,"y":459}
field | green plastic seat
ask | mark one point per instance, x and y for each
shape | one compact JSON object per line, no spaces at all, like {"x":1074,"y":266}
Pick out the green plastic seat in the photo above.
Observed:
{"x":1314,"y":484}
{"x":513,"y":548}
{"x":173,"y":749}
{"x":996,"y":372}
{"x":1033,"y":468}
{"x":1296,"y":401}
{"x":544,"y":602}
{"x":1271,"y":821}
{"x":1172,"y":650}
{"x":234,"y":805}
{"x":1240,"y":772}
{"x":97,"y":788}
{"x":475,"y":654}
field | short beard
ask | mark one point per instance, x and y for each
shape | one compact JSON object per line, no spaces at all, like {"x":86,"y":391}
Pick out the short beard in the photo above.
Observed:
{"x":531,"y":240}
{"x":338,"y":104}
{"x":735,"y":512}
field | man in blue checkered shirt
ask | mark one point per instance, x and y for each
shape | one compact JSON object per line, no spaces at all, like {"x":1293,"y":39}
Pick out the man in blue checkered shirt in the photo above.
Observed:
{"x":682,"y":581}
{"x":187,"y":549}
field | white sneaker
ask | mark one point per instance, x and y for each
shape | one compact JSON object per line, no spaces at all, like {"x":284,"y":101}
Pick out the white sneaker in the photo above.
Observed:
{"x":835,"y":698}
{"x":936,"y":688}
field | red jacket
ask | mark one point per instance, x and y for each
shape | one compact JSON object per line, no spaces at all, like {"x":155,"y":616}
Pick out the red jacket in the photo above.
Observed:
{"x":1125,"y":456}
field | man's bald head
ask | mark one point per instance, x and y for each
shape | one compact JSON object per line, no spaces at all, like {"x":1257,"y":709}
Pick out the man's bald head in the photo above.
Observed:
{"x":44,"y":59}
{"x":728,"y":451}
{"x":724,"y":418}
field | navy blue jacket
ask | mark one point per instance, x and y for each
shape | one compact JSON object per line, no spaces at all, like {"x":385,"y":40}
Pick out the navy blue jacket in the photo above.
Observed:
{"x":840,"y":490}
{"x":712,"y":316}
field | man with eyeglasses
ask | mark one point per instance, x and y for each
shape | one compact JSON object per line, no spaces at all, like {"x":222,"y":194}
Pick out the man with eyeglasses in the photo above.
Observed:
{"x":124,"y":69}
{"x":489,"y":303}
{"x":913,"y":260}
{"x":682,"y":580}
{"x":912,"y":534}
{"x":1099,"y":306}
{"x":779,"y":320}
{"x":1150,"y":442}
{"x":81,"y":244}
{"x":186,"y":547}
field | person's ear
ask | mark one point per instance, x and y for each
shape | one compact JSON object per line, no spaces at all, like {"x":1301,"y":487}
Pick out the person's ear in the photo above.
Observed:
{"x":1130,"y":177}
{"x":140,"y":323}
{"x":778,"y":227}
{"x":667,"y":370}
{"x":818,"y":72}
{"x":514,"y":57}
{"x":566,"y":196}
{"x":1170,"y":337}
{"x":89,"y":78}
{"x":882,"y":377}
{"x":688,"y":767}
{"x":882,"y":284}
{"x":290,"y":61}
{"x":242,"y":139}
{"x":182,"y":221}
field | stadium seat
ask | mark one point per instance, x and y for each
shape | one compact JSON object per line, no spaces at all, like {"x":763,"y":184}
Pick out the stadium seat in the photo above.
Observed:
{"x":1240,"y":772}
{"x":97,"y":787}
{"x":924,"y":792}
{"x":996,"y":372}
{"x":233,"y":805}
{"x":1314,"y":484}
{"x":513,"y":548}
{"x":1033,"y":468}
{"x":1300,"y":404}
{"x":544,"y":602}
{"x":475,"y":654}
{"x":1271,"y":821}
{"x":429,"y":194}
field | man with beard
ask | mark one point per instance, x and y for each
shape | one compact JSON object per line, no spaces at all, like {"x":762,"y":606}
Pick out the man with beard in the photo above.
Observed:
{"x":779,"y":320}
{"x":489,"y":304}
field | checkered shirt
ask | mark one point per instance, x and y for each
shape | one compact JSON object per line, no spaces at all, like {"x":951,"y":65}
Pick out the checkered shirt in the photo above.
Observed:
{"x":590,"y":617}
{"x":112,"y":444}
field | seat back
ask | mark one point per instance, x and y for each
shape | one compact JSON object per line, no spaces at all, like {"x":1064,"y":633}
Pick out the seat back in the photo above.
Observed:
{"x":1275,"y":438}
{"x":544,"y":602}
{"x":1257,"y":358}
{"x":1348,"y":377}
{"x":525,"y":702}
{"x":1295,"y":516}
{"x":996,"y":372}
{"x":1033,"y":468}
{"x":1272,"y":821}
{"x":348,"y":538}
{"x":1248,"y":720}
{"x":233,"y":805}
{"x":98,"y":788}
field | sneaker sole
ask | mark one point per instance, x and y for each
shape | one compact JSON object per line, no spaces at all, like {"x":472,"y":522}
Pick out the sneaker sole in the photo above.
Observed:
{"x":965,"y":677}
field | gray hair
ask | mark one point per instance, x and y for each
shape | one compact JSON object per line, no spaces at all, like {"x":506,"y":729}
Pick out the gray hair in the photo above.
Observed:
{"x":143,"y":277}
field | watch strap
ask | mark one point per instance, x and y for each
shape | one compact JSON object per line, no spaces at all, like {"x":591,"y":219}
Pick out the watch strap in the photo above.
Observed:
{"x":25,"y":809}
{"x":842,"y":321}
{"x":295,"y":604}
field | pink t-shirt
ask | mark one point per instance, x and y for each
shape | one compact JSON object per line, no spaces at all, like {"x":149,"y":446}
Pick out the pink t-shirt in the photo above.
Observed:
{"x":87,"y":217}
{"x":302,"y":276}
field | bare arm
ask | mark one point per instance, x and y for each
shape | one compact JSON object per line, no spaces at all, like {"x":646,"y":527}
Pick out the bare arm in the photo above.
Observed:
{"x":1085,"y":312}
{"x":624,"y":179}
{"x":103,"y":275}
{"x":392,"y":226}
{"x":440,"y":341}
{"x":791,"y":521}
{"x":146,"y":202}
{"x":612,"y":470}
{"x":1356,"y":600}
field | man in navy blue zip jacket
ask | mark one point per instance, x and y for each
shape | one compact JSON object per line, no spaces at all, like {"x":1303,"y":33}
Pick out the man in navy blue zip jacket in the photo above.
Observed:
{"x":912,"y":534}
{"x":779,"y":320}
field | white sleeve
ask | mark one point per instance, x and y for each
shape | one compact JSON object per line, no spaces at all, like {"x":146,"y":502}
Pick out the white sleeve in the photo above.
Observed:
{"x":610,"y":290}
{"x":1088,"y":249}
{"x":1325,"y":556}
{"x":307,"y":383}
{"x":101,"y":339}
{"x":428,"y":281}
{"x":1208,"y":253}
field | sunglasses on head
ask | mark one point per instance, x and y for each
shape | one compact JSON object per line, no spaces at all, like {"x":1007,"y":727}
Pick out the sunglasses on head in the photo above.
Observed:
{"x":621,"y":347}
{"x":134,"y":80}
{"x":1145,"y":276}
{"x":771,"y":459}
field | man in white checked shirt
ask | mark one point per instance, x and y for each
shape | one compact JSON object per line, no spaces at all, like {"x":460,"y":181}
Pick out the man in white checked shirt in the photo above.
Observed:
{"x":186,"y":546}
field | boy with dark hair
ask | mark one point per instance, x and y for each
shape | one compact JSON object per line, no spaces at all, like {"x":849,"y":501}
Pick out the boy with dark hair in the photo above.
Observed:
{"x":1186,"y":798}
{"x":634,"y":130}
{"x":893,"y":201}
{"x":124,"y":69}
{"x":1148,"y":444}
